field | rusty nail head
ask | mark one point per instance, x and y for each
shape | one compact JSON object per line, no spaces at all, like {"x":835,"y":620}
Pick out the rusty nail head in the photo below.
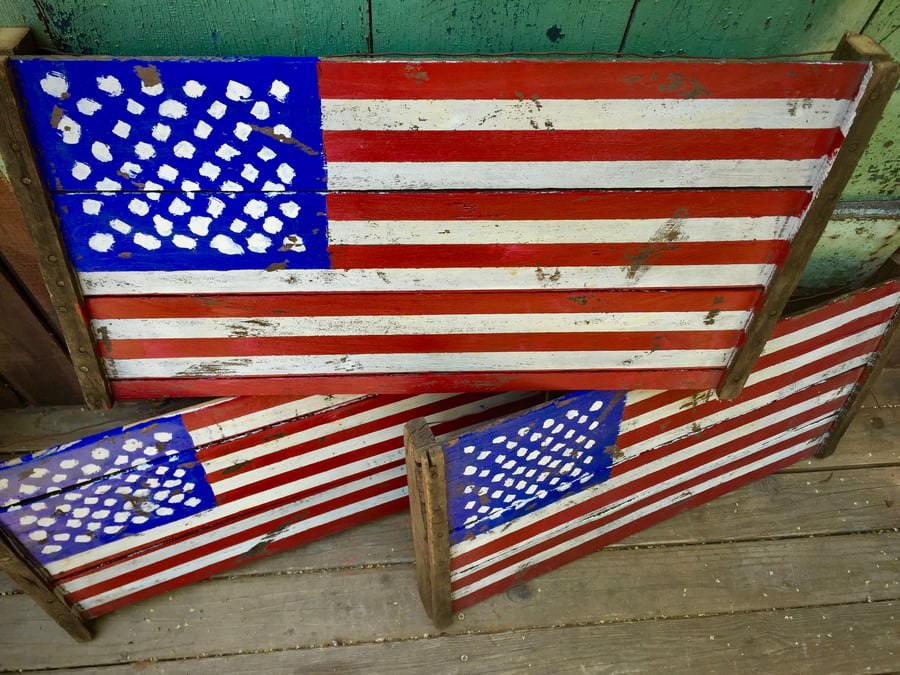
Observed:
{"x":26,"y":180}
{"x":83,"y":369}
{"x":15,"y":146}
{"x":60,"y":283}
{"x":51,"y":258}
{"x":63,"y":310}
{"x":82,"y":350}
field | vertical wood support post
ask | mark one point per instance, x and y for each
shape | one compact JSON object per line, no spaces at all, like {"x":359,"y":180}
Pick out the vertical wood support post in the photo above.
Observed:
{"x":853,"y":47}
{"x":430,"y":524}
{"x":40,"y":220}
{"x":17,"y":564}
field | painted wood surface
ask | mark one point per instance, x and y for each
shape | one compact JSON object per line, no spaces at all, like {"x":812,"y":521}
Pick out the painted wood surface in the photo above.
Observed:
{"x":300,"y":196}
{"x":735,"y":554}
{"x":532,"y":492}
{"x":131,"y":512}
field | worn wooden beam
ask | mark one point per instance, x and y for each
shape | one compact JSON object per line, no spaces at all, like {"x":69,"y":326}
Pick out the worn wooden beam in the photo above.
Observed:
{"x":40,"y":220}
{"x":430,"y":524}
{"x":17,"y":564}
{"x":16,"y":40}
{"x":885,"y":74}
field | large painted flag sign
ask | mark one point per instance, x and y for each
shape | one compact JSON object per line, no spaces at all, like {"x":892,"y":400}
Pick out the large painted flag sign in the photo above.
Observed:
{"x":521,"y":496}
{"x":141,"y":509}
{"x":272,"y":225}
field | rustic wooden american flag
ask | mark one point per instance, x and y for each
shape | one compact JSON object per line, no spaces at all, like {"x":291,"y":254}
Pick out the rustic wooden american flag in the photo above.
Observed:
{"x":272,"y":225}
{"x":529,"y":493}
{"x":142,"y":509}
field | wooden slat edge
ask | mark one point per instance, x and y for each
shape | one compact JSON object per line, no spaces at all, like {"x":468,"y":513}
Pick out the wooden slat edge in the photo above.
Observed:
{"x":430,"y":524}
{"x":853,"y":47}
{"x":16,"y":40}
{"x":28,"y":577}
{"x":40,"y":220}
{"x":889,"y":343}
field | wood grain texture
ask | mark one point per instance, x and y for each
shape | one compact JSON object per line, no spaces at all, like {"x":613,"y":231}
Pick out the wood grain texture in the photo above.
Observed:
{"x":28,"y":576}
{"x":884,"y":78}
{"x":32,"y":361}
{"x":40,"y":220}
{"x":519,"y":25}
{"x":841,"y":638}
{"x":197,"y":28}
{"x":428,"y":506}
{"x":266,"y":613}
{"x":724,"y":28}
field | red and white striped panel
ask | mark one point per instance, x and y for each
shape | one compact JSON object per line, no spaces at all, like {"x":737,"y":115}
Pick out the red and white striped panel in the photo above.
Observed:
{"x":675,"y":451}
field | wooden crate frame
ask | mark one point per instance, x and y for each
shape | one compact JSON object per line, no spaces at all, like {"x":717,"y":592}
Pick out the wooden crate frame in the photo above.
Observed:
{"x":98,"y":385}
{"x":637,"y":459}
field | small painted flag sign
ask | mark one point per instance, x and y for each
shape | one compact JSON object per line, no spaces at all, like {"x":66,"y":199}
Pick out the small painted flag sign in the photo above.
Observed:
{"x":526,"y":494}
{"x":145,"y":508}
{"x":271,"y":225}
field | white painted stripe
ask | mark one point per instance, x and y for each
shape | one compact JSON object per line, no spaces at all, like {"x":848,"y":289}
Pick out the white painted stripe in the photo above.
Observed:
{"x":626,"y":477}
{"x":350,"y":364}
{"x":826,"y":325}
{"x":735,"y":411}
{"x":341,"y":448}
{"x":578,"y":114}
{"x":612,"y":231}
{"x":149,"y":538}
{"x":327,"y":428}
{"x":437,"y":279}
{"x":775,"y":370}
{"x":631,"y":517}
{"x":233,"y":551}
{"x":268,"y":417}
{"x":609,"y":175}
{"x":427,"y":324}
{"x":202,"y":537}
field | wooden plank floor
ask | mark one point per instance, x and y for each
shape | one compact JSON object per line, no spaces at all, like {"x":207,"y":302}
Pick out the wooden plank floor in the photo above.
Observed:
{"x":799,"y":572}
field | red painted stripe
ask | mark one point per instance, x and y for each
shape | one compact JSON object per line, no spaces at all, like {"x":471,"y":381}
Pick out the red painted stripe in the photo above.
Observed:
{"x":564,"y":205}
{"x":630,"y":490}
{"x":633,"y":256}
{"x":598,"y":145}
{"x":704,"y":410}
{"x":418,"y":344}
{"x":621,"y":533}
{"x":694,"y":378}
{"x":535,"y":80}
{"x":421,"y":303}
{"x":833,"y":308}
{"x":229,"y":409}
{"x":267,"y":548}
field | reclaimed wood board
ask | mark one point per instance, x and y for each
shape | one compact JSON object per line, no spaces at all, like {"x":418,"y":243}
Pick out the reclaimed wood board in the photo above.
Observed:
{"x":534,"y":491}
{"x":344,"y":226}
{"x":131,"y":512}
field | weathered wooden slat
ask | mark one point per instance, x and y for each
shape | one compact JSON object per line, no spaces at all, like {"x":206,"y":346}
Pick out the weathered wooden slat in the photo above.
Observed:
{"x":31,"y":360}
{"x":873,"y":99}
{"x":838,"y":638}
{"x":428,"y":508}
{"x":39,"y":218}
{"x":357,"y":605}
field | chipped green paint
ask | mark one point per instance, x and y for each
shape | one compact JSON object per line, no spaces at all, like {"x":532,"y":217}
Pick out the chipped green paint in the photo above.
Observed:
{"x":490,"y":27}
{"x":851,"y":245}
{"x":729,"y":28}
{"x":857,"y":241}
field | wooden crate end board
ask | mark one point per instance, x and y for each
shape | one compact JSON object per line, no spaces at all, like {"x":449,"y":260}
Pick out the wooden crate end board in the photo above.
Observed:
{"x":427,"y":497}
{"x":871,"y":105}
{"x":39,"y":217}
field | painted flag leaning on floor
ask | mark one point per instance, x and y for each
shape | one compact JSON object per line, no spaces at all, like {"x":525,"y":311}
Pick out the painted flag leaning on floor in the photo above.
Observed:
{"x":141,"y":509}
{"x":544,"y":487}
{"x":272,"y":225}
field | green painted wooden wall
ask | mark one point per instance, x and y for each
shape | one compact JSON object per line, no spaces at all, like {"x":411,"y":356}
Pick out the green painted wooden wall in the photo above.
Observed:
{"x":852,"y":245}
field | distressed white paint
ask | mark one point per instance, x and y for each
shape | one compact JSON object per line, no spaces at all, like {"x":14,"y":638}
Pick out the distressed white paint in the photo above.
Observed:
{"x":712,"y":173}
{"x":236,"y":91}
{"x":625,"y":230}
{"x":172,"y":109}
{"x":579,"y":114}
{"x":461,"y":278}
{"x":429,"y":324}
{"x":449,"y":362}
{"x":55,"y":84}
